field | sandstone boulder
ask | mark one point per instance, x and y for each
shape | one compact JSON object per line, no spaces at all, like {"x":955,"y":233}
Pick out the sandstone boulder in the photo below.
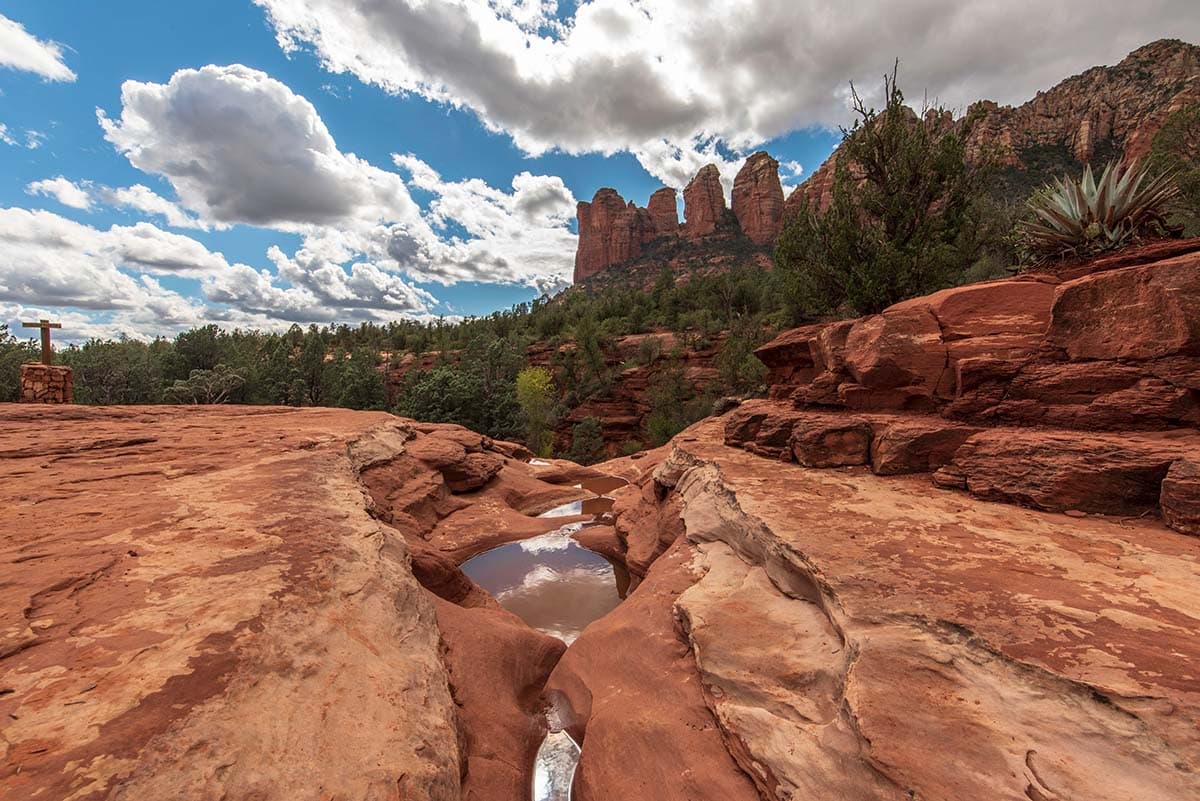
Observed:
{"x":915,"y":444}
{"x":1181,"y":496}
{"x":830,"y":441}
{"x":764,"y":429}
{"x":475,"y":470}
{"x":1061,"y":471}
{"x":829,"y":347}
{"x":1095,"y":395}
{"x":703,"y":202}
{"x":1140,"y":313}
{"x":901,"y":347}
{"x":758,"y":198}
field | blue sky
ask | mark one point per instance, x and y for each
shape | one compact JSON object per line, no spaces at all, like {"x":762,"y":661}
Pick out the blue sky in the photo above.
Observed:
{"x":339,"y":160}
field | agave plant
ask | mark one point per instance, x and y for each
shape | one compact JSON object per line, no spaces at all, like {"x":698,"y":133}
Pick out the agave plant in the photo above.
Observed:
{"x":1075,"y":218}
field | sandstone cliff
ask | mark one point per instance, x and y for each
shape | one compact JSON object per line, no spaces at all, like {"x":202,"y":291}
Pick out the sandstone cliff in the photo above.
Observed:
{"x":758,"y":199}
{"x":1103,"y":113}
{"x":610,"y":232}
{"x":703,"y":203}
{"x":613,"y":233}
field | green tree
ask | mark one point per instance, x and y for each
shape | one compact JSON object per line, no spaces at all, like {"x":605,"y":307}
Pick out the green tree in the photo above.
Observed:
{"x":356,"y":381}
{"x":587,"y":442}
{"x":122,"y":371}
{"x":740,"y":370}
{"x":13,"y":353}
{"x":535,"y":387}
{"x":310,"y":365}
{"x":205,"y":386}
{"x":669,"y":396}
{"x":198,"y":349}
{"x":901,"y":195}
{"x":1176,"y":149}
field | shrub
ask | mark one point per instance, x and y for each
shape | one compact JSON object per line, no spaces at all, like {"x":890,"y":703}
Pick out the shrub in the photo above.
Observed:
{"x":895,"y":227}
{"x":1175,"y":149}
{"x":1085,"y":217}
{"x":205,"y":386}
{"x":13,"y":353}
{"x":535,"y":387}
{"x":587,"y":442}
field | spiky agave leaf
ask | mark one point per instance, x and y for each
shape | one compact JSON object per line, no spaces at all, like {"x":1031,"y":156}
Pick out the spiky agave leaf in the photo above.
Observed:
{"x":1087,"y":216}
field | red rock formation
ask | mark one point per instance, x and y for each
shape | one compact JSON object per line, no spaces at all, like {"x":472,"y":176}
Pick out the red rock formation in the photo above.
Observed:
{"x":988,"y":617}
{"x":306,"y":553}
{"x":1122,"y":106}
{"x":1109,"y":352}
{"x":703,"y":203}
{"x":664,"y":211}
{"x":195,"y":603}
{"x":610,"y":232}
{"x":1126,"y":103}
{"x":758,"y":198}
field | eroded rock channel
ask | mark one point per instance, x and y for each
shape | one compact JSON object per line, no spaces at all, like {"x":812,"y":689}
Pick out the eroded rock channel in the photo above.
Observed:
{"x":280,"y":613}
{"x":558,"y":587}
{"x":790,"y":633}
{"x":519,"y":556}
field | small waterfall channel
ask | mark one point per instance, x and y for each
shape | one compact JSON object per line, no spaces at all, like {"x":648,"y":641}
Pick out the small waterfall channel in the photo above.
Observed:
{"x":558,"y":587}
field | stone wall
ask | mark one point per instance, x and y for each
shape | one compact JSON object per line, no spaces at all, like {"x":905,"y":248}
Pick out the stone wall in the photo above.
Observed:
{"x":44,"y":383}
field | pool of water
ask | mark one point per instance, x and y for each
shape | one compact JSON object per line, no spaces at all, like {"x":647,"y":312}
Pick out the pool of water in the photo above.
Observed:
{"x":558,"y":587}
{"x":551,"y":582}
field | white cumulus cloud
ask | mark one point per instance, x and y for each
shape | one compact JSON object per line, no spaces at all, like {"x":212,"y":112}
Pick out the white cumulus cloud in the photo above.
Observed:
{"x":64,"y":191}
{"x":239,"y":146}
{"x":646,"y":76}
{"x":21,"y":50}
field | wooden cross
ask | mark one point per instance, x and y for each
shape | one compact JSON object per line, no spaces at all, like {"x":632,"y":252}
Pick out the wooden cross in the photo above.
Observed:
{"x":45,"y":325}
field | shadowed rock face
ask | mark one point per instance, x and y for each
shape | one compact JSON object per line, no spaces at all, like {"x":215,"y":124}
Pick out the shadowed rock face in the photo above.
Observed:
{"x":703,"y":203}
{"x":664,"y":211}
{"x":758,"y":199}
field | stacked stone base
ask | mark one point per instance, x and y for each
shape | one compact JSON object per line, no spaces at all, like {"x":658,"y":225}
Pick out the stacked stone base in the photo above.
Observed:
{"x":45,"y":383}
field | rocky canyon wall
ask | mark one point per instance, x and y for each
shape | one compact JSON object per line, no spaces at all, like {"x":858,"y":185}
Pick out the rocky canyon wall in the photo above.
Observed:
{"x":1104,"y":112}
{"x":613,"y":232}
{"x":1076,"y":390}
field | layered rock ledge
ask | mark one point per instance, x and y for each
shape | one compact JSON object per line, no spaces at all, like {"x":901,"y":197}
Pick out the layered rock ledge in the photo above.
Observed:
{"x":232,"y":602}
{"x":864,"y":637}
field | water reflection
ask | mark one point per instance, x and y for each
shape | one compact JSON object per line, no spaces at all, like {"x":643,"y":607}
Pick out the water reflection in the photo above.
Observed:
{"x":588,"y":506}
{"x":557,"y":587}
{"x":554,"y":769}
{"x":551,"y":582}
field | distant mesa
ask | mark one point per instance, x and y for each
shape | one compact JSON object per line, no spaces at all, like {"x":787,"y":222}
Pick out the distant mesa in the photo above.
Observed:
{"x":614,"y":232}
